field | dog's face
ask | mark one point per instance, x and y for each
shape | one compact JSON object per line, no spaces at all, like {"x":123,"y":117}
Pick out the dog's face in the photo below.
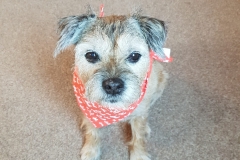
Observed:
{"x":112,"y":54}
{"x":112,"y":60}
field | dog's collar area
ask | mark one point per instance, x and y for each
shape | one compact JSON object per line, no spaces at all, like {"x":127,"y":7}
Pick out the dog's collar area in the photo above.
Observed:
{"x":101,"y":116}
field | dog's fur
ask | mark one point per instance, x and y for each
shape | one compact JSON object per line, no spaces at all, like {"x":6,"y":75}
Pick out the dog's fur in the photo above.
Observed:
{"x":114,"y":38}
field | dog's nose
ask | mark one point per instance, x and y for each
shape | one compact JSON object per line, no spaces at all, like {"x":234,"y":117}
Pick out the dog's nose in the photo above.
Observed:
{"x":113,"y":86}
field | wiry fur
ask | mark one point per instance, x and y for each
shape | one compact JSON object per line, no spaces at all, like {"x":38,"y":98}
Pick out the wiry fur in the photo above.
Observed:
{"x":114,"y":38}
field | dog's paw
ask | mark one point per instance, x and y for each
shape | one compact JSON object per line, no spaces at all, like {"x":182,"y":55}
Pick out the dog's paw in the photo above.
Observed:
{"x":139,"y":156}
{"x":90,"y":153}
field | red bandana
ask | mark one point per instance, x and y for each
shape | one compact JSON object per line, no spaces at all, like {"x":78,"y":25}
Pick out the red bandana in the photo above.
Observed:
{"x":101,"y":116}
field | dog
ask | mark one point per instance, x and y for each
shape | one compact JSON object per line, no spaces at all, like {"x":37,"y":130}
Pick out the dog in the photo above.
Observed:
{"x":112,"y":57}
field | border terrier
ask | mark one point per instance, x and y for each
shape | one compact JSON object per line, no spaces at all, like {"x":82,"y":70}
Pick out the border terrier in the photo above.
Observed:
{"x":112,"y":59}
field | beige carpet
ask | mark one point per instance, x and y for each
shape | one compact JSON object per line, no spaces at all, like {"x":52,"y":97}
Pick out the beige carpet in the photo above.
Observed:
{"x":198,"y":117}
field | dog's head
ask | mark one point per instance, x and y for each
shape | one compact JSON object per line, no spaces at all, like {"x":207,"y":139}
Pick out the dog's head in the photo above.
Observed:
{"x":112,"y":54}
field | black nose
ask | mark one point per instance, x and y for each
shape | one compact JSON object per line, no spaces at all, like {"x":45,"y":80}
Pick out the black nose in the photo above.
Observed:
{"x":113,"y":86}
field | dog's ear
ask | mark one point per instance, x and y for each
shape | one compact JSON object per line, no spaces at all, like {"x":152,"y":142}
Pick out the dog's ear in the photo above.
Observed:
{"x":71,"y":30}
{"x":154,"y":32}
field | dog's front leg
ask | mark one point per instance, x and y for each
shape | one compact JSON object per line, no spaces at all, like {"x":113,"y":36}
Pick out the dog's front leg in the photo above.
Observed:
{"x":140,"y":132}
{"x":91,"y":146}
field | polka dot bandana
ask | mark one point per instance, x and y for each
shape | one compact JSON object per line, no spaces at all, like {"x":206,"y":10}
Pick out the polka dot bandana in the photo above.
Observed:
{"x":101,"y":116}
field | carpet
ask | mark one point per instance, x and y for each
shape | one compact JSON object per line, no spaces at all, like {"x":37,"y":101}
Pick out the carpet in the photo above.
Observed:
{"x":197,"y":118}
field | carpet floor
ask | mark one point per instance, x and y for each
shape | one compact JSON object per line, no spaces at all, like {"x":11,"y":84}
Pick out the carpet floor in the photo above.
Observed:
{"x":197,"y":118}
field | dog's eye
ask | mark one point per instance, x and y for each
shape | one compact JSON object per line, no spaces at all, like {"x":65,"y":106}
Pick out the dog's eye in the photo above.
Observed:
{"x":134,"y":57}
{"x":92,"y":57}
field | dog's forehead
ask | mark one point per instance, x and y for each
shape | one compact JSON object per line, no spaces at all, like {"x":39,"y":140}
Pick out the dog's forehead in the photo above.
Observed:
{"x":114,"y":26}
{"x":113,"y":18}
{"x":114,"y":33}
